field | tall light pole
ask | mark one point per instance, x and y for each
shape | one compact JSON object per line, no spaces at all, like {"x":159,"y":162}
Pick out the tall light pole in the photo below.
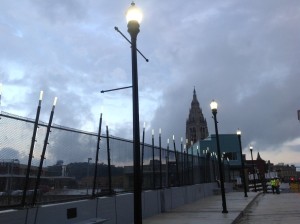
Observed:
{"x":153,"y":164}
{"x":254,"y":180}
{"x":134,"y":17}
{"x":214,"y":106}
{"x":88,"y":173}
{"x":239,"y":133}
{"x":33,"y":141}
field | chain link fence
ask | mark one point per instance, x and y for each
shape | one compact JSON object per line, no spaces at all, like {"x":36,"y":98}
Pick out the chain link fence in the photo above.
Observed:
{"x":70,"y":171}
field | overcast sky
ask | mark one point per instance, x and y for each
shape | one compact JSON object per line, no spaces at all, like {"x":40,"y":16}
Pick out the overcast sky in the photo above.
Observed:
{"x":243,"y":54}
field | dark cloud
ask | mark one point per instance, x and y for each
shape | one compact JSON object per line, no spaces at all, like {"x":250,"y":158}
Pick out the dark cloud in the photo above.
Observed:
{"x":245,"y":55}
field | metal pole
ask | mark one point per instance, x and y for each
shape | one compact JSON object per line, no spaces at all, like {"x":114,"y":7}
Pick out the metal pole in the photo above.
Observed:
{"x":160,"y":162}
{"x":184,"y":168}
{"x":117,"y":29}
{"x":108,"y":161}
{"x":43,"y":154}
{"x":229,"y":175}
{"x":187,"y":167}
{"x":87,"y":174}
{"x":176,"y":161}
{"x":182,"y":163}
{"x":254,"y":180}
{"x":204,"y":153}
{"x":167,"y":165}
{"x":109,"y":90}
{"x":220,"y":163}
{"x":153,"y":164}
{"x":97,"y":156}
{"x":31,"y":150}
{"x":243,"y":166}
{"x":143,"y":149}
{"x":192,"y":164}
{"x":199,"y":170}
{"x":133,"y":30}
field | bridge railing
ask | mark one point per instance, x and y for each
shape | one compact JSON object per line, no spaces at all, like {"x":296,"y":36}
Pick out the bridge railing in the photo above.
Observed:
{"x":42,"y":163}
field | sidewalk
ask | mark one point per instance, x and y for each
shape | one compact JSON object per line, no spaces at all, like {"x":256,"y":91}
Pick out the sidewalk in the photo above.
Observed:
{"x":206,"y":210}
{"x":273,"y":208}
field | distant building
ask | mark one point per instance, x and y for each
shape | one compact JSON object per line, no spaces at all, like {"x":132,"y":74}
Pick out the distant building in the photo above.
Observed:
{"x":285,"y":171}
{"x":196,"y":125}
{"x":13,"y":173}
{"x":261,"y":167}
{"x":229,"y":148}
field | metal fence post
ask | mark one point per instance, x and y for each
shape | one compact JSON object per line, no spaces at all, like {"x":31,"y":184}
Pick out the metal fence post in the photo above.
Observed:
{"x":31,"y":149}
{"x":97,"y":155}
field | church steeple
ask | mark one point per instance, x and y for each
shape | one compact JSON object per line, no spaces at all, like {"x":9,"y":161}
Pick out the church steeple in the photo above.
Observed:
{"x":195,"y":101}
{"x":196,"y":125}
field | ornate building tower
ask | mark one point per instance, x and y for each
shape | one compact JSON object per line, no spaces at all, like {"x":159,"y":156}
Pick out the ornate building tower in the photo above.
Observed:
{"x":196,"y":126}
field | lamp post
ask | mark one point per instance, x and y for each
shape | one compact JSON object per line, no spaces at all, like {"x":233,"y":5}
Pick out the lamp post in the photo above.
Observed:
{"x":192,"y":143}
{"x":153,"y":164}
{"x":214,"y":158}
{"x":134,"y":17}
{"x":214,"y":106}
{"x":239,"y":133}
{"x":182,"y":160}
{"x":88,"y":173}
{"x":228,"y":163}
{"x":254,"y":180}
{"x":160,"y":165}
{"x":204,"y":154}
{"x":167,"y":164}
{"x":33,"y":141}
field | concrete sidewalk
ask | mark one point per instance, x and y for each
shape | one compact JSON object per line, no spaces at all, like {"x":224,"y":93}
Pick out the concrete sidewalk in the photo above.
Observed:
{"x":273,"y":208}
{"x":206,"y":210}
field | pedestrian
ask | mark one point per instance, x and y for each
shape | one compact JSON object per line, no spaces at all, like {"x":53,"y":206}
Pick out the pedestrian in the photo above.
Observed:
{"x":273,"y":185}
{"x":277,"y":185}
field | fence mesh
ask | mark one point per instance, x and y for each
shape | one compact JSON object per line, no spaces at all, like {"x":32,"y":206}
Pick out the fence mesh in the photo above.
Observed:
{"x":68,"y":170}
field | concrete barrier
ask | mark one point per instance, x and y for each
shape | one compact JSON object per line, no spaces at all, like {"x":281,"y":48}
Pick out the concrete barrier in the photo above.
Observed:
{"x":117,"y":209}
{"x":124,"y":208}
{"x":151,"y":203}
{"x":13,"y":216}
{"x":68,"y":212}
{"x":107,"y":209}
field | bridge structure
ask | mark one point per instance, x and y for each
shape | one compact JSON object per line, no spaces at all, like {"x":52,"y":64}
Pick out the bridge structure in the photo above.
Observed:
{"x":86,"y":175}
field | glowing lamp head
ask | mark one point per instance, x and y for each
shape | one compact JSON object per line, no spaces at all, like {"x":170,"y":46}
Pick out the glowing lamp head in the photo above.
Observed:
{"x":41,"y":95}
{"x":238,"y":132}
{"x":134,"y":14}
{"x":55,"y":101}
{"x":213,"y":105}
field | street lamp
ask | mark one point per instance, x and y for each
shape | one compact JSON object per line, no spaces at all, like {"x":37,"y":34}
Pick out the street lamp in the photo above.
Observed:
{"x":228,"y":169}
{"x":254,"y":180}
{"x":88,"y":173}
{"x":239,"y":133}
{"x":214,"y":106}
{"x":134,"y":17}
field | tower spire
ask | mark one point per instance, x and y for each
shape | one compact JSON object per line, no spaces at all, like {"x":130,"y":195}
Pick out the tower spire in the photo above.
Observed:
{"x":196,"y":126}
{"x":194,"y":95}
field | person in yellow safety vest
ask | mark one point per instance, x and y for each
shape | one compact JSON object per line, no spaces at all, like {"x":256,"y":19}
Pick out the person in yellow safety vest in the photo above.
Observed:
{"x":273,"y":184}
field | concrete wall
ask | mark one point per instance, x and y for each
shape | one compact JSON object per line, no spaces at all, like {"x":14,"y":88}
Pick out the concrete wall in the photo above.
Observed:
{"x":117,"y":209}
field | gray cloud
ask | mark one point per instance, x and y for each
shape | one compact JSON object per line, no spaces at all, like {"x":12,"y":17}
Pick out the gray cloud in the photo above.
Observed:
{"x":243,"y":54}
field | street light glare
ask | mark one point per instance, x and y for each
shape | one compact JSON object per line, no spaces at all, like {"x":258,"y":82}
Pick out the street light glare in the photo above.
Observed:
{"x":238,"y":132}
{"x":41,"y":95}
{"x":134,"y":14}
{"x":213,"y":105}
